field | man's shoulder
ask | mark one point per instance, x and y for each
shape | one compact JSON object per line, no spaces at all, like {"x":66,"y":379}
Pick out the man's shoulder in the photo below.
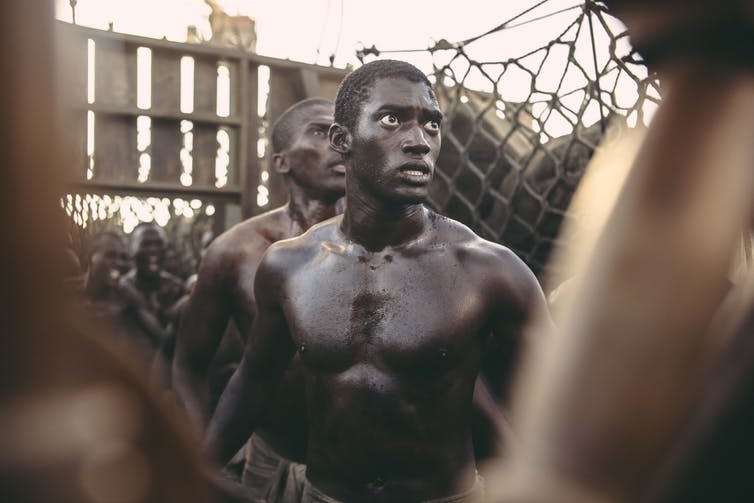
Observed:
{"x":495,"y":259}
{"x":250,"y":237}
{"x":291,"y":252}
{"x":464,"y":240}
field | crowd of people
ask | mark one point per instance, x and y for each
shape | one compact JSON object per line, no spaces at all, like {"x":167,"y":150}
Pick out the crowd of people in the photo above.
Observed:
{"x":350,"y":345}
{"x":126,"y":288}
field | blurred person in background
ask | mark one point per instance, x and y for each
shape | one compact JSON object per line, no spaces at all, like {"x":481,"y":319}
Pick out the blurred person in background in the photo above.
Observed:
{"x":149,"y":289}
{"x":209,"y":347}
{"x":108,"y":261}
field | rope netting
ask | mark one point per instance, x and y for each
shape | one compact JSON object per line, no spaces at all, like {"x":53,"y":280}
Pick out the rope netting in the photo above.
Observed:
{"x":526,"y":104}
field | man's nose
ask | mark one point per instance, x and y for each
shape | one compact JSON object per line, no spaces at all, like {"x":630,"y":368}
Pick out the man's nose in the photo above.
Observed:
{"x":415,"y":142}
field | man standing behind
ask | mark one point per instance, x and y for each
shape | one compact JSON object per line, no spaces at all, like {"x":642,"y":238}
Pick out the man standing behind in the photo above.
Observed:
{"x":108,"y":261}
{"x":389,"y":308}
{"x":315,"y":177}
{"x":148,"y":288}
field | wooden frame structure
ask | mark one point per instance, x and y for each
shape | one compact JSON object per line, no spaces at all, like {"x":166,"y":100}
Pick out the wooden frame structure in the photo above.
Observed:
{"x":116,"y":111}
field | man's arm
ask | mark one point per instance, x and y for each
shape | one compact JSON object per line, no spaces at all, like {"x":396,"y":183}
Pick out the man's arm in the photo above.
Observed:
{"x":517,"y":300}
{"x":269,"y":350}
{"x":138,"y":311}
{"x":497,"y":430}
{"x":201,"y":329}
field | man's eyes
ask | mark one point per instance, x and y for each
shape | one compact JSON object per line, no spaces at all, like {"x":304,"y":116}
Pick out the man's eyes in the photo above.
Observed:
{"x":432,"y":126}
{"x":389,"y":120}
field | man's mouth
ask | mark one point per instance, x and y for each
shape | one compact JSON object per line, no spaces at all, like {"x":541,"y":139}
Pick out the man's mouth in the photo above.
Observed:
{"x":338,"y":168}
{"x":153,"y":263}
{"x":416,"y":172}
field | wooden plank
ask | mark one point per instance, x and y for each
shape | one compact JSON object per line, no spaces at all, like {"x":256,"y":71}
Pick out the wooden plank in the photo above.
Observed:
{"x":115,"y":154}
{"x":204,"y":153}
{"x":198,"y":50}
{"x":310,"y":83}
{"x":233,"y":155}
{"x":218,"y":219}
{"x":234,"y":69}
{"x":248,"y":160}
{"x":205,"y":85}
{"x":115,"y":73}
{"x":207,"y":118}
{"x":71,"y":52}
{"x":166,"y":147}
{"x":285,"y":89}
{"x":166,"y":80}
{"x":329,"y":84}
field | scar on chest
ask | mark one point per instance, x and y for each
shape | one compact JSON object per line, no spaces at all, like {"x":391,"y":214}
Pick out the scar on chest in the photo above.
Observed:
{"x":367,"y":312}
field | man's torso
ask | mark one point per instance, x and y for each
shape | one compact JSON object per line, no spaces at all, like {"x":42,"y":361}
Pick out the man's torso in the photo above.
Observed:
{"x":391,"y":344}
{"x":284,"y":426}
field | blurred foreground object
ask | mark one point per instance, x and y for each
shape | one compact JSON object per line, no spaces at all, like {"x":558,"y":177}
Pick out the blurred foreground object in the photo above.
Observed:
{"x":77,"y":422}
{"x":601,"y":403}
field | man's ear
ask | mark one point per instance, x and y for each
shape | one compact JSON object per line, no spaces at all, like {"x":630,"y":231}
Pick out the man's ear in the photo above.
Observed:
{"x":340,"y":139}
{"x":280,"y":163}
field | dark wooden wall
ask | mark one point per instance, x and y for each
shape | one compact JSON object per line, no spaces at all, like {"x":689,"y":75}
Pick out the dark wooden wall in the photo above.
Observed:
{"x":116,"y":157}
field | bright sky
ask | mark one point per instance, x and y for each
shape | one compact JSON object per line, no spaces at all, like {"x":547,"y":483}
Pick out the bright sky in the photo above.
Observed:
{"x":312,"y":30}
{"x":297,"y":29}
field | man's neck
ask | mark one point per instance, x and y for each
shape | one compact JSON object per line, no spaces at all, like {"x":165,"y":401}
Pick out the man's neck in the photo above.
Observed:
{"x":305,"y":210}
{"x":377,"y":225}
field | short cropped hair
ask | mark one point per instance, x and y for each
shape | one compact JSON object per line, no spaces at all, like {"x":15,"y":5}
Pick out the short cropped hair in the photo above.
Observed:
{"x":285,"y":125}
{"x":356,"y":87}
{"x":139,"y":230}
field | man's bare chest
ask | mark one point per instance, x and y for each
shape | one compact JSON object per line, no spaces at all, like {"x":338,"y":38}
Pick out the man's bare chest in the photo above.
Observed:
{"x":384,"y":310}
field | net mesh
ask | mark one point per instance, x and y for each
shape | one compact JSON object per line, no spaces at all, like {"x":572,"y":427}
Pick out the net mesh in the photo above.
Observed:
{"x":520,"y":128}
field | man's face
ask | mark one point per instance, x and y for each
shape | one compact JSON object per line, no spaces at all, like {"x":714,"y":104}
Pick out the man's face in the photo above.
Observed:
{"x":313,"y":164}
{"x":149,"y":251}
{"x":396,"y":140}
{"x":108,"y":262}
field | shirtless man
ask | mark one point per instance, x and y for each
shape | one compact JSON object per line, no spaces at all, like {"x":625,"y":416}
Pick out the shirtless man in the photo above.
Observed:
{"x":315,"y":177}
{"x":388,"y":307}
{"x":106,"y":301}
{"x":148,"y":287}
{"x":108,"y":261}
